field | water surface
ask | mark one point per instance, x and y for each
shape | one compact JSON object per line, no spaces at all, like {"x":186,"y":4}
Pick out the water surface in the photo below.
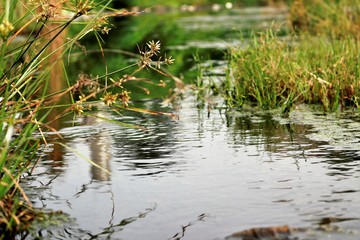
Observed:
{"x":207,"y":174}
{"x":220,"y":173}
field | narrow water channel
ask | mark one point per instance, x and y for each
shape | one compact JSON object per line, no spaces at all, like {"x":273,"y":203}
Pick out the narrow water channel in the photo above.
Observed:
{"x":206,"y":175}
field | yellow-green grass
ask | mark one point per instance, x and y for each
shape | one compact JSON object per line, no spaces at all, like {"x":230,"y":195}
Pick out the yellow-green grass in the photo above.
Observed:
{"x":317,"y":64}
{"x":275,"y":73}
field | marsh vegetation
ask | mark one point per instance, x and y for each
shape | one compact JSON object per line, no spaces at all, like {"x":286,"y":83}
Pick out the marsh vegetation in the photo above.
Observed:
{"x":62,"y":69}
{"x":36,"y":91}
{"x":316,"y":64}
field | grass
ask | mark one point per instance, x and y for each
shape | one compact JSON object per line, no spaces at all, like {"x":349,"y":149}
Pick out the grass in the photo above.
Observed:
{"x":270,"y":73}
{"x":32,"y":100}
{"x":310,"y":68}
{"x":335,"y":19}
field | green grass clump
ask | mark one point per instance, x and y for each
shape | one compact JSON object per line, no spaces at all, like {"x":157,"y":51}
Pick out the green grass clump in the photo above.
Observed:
{"x":336,"y":19}
{"x":321,"y":68}
{"x":273,"y":73}
{"x":260,"y":73}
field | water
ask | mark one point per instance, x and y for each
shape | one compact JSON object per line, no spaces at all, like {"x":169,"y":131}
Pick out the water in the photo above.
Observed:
{"x":205,"y":175}
{"x":235,"y":171}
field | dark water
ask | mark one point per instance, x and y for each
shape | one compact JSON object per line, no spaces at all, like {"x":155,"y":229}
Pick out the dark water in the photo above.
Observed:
{"x":205,"y":175}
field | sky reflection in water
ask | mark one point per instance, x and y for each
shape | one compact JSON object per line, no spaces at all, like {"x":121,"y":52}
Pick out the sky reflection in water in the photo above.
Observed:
{"x":239,"y":171}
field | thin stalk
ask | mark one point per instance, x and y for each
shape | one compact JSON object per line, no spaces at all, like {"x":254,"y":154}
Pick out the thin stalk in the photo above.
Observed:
{"x":18,"y":59}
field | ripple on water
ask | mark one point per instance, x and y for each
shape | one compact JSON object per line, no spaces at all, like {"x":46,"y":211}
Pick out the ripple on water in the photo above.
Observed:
{"x":243,"y":170}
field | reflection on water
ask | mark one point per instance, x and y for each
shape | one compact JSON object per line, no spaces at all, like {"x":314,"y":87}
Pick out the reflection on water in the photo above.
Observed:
{"x":238,"y":171}
{"x":238,"y":19}
{"x":100,"y":151}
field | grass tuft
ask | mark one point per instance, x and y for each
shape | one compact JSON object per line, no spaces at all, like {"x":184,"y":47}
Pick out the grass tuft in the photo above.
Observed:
{"x":320,"y":68}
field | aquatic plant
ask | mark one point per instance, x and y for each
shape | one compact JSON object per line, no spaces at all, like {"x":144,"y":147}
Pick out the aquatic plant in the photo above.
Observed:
{"x":274,"y":73}
{"x":320,"y":68}
{"x":36,"y":91}
{"x":337,"y":19}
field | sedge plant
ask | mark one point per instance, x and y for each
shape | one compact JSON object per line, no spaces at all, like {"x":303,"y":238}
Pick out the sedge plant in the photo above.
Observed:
{"x":33,"y":48}
{"x":272,"y":73}
{"x":316,"y":64}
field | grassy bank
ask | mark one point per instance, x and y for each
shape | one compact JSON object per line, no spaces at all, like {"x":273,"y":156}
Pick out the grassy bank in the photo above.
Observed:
{"x":274,"y":73}
{"x":334,"y":19}
{"x":318,"y":64}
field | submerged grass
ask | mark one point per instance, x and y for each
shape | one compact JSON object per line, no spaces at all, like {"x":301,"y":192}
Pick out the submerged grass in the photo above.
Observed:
{"x":305,"y":68}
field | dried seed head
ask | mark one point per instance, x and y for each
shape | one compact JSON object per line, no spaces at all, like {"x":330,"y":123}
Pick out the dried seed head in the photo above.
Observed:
{"x":78,"y":108}
{"x":145,"y":60}
{"x":5,"y":28}
{"x":84,"y":7}
{"x":109,"y":98}
{"x":154,"y":47}
{"x":125,"y":97}
{"x":105,"y":30}
{"x":47,"y":11}
{"x":169,"y":60}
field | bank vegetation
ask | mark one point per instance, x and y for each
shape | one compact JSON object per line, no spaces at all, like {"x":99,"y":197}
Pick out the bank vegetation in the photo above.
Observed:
{"x":317,"y":63}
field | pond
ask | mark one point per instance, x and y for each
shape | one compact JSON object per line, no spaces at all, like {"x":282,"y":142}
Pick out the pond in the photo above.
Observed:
{"x":206,"y":173}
